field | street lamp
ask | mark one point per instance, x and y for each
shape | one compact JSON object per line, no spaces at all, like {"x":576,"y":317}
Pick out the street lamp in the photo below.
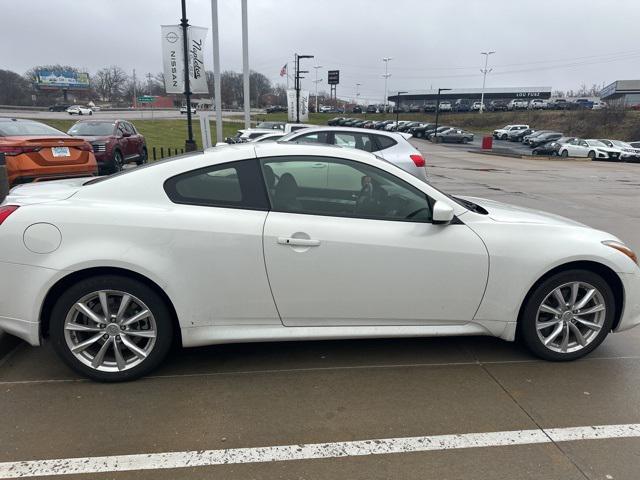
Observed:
{"x":386,"y":76}
{"x":316,"y":81}
{"x":398,"y":108}
{"x":435,"y":130}
{"x":484,"y":76}
{"x":297,"y":83}
{"x":358,"y":85}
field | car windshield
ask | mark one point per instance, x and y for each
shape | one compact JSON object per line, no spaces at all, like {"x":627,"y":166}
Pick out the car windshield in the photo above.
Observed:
{"x":272,"y":125}
{"x":27,"y":128}
{"x":92,"y":128}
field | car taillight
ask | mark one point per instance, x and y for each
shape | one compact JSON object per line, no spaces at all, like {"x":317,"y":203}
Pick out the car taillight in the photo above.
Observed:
{"x":86,"y":147}
{"x":6,"y":211}
{"x":11,"y":150}
{"x":418,"y":160}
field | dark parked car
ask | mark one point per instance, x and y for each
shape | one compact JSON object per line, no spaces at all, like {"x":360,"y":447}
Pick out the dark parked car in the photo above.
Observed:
{"x":462,"y":105}
{"x":544,"y":138}
{"x":551,"y":148}
{"x":406,"y":126}
{"x":455,"y":135}
{"x":414,"y":108}
{"x":276,"y":109}
{"x":518,"y":135}
{"x":498,"y":106}
{"x":381,"y":124}
{"x":114,"y":143}
{"x":429,"y":133}
{"x":356,"y":109}
{"x":358,"y":123}
{"x":418,"y":130}
{"x":372,"y":109}
{"x":59,"y":107}
{"x":334,"y":121}
{"x":429,"y":107}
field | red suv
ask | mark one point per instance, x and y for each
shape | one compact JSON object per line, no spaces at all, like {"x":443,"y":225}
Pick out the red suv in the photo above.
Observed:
{"x":114,"y":143}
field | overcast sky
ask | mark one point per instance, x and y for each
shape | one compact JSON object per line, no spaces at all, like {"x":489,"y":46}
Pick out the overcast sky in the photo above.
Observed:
{"x":557,"y":43}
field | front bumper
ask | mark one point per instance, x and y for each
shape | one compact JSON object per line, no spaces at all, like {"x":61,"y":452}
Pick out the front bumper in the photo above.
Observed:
{"x":631,"y":308}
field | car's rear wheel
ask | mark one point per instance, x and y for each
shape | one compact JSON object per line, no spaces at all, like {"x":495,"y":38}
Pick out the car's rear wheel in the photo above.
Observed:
{"x":564,"y":153}
{"x":568,"y":315}
{"x":144,"y":156}
{"x":111,"y":328}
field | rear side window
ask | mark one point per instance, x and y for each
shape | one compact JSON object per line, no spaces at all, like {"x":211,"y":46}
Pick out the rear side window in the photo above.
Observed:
{"x":384,"y":142}
{"x":234,"y":185}
{"x":129,"y":128}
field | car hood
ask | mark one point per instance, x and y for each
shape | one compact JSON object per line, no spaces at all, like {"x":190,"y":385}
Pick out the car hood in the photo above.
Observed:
{"x":41,"y":192}
{"x":506,"y":213}
{"x":93,"y":138}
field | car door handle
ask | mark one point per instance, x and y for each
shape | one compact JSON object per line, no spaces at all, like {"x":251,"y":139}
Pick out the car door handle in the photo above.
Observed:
{"x":298,"y":242}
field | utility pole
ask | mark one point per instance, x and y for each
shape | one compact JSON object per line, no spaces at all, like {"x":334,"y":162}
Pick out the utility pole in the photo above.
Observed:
{"x":297,"y":82}
{"x":398,"y":108}
{"x":216,"y":69}
{"x":316,"y":81}
{"x":189,"y":144}
{"x":245,"y":66}
{"x":484,"y":76}
{"x":135,"y":96}
{"x":435,"y":131}
{"x":149,"y":83}
{"x":386,"y":76}
{"x":358,"y":85}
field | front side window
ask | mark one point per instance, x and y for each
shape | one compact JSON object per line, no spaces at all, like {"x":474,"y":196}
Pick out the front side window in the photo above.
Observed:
{"x":344,"y":188}
{"x":234,"y":184}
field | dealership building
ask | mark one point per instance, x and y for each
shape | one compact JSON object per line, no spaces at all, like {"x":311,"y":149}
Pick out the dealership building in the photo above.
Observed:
{"x":626,"y":92}
{"x":421,"y":97}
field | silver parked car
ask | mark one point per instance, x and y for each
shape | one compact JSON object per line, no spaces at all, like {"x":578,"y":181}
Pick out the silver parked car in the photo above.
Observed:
{"x":392,"y":146}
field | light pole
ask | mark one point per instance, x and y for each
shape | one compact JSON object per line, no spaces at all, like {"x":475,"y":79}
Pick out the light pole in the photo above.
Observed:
{"x":189,"y":144}
{"x":358,"y":85}
{"x":484,"y":76}
{"x":398,"y":108}
{"x":316,"y":81}
{"x":435,"y":130}
{"x":297,"y":83}
{"x":386,"y":76}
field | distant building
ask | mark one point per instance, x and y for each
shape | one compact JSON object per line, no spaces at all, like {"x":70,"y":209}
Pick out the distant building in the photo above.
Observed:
{"x":420,"y":97}
{"x":626,"y":92}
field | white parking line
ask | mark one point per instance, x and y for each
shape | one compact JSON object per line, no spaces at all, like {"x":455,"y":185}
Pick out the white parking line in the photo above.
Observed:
{"x":158,"y":461}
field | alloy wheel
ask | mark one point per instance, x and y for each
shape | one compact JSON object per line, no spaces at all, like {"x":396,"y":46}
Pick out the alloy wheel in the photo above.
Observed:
{"x":570,"y":317}
{"x":110,"y":331}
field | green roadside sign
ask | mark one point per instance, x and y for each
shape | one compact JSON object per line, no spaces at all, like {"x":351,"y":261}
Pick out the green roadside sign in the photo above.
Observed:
{"x":146,"y":99}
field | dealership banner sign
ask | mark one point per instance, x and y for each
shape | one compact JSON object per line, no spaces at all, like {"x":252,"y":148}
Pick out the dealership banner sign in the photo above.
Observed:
{"x":173,"y":59}
{"x":65,"y":79}
{"x":303,"y":105}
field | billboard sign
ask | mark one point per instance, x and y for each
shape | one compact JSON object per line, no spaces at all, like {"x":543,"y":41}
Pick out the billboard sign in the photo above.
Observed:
{"x":65,"y":79}
{"x":173,"y":59}
{"x":333,"y":77}
{"x":303,"y":106}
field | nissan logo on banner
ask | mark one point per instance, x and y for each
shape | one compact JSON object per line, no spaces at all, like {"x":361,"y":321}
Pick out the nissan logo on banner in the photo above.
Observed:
{"x":173,"y":59}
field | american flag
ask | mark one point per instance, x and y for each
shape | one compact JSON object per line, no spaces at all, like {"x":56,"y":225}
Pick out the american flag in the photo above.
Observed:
{"x":283,"y":70}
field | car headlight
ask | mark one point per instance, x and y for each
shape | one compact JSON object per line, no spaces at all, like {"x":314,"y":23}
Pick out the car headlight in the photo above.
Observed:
{"x":621,"y":247}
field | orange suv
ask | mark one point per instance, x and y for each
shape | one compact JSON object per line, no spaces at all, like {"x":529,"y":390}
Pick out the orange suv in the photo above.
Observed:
{"x":35,"y":152}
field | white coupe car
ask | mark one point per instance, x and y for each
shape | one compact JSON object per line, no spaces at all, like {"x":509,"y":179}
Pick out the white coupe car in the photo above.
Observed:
{"x":271,"y":241}
{"x":79,"y":110}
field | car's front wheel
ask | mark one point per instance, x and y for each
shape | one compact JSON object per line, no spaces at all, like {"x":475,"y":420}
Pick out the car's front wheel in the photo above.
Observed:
{"x":111,"y":328}
{"x":568,"y":315}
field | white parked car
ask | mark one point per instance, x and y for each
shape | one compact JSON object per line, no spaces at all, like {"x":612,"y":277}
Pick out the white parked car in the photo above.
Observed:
{"x":277,"y":241}
{"x":79,"y":110}
{"x":591,"y":148}
{"x":445,"y":106}
{"x":503,"y":133}
{"x":599,"y":105}
{"x":518,"y":104}
{"x":392,"y":146}
{"x":183,"y":110}
{"x":538,"y":104}
{"x":476,"y":107}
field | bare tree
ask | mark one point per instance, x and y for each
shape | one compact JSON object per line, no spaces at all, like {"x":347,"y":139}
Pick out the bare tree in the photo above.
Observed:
{"x":110,"y":83}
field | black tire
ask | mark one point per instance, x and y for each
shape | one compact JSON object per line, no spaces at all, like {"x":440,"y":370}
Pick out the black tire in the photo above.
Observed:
{"x":117,"y":162}
{"x":527,"y":323}
{"x":534,"y":152}
{"x":144,"y":157}
{"x":591,"y":155}
{"x":504,"y":136}
{"x":91,"y":113}
{"x":564,"y":153}
{"x":157,"y":306}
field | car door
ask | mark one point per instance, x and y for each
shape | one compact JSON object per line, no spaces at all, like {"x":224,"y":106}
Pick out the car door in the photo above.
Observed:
{"x":216,"y":245}
{"x":362,"y":250}
{"x":135,"y":141}
{"x":123,"y":139}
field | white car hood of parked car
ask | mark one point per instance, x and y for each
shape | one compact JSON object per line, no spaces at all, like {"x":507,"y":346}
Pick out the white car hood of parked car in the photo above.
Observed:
{"x":502,"y":212}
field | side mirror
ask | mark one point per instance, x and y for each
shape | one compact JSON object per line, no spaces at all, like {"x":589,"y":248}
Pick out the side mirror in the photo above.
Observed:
{"x":442,"y":213}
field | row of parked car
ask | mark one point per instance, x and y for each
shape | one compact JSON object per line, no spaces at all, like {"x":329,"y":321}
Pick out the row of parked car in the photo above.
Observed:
{"x":444,"y":133}
{"x":36,"y":152}
{"x":549,"y":142}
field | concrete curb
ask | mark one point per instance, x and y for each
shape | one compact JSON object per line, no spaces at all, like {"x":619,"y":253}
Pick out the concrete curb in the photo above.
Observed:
{"x":553,"y":158}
